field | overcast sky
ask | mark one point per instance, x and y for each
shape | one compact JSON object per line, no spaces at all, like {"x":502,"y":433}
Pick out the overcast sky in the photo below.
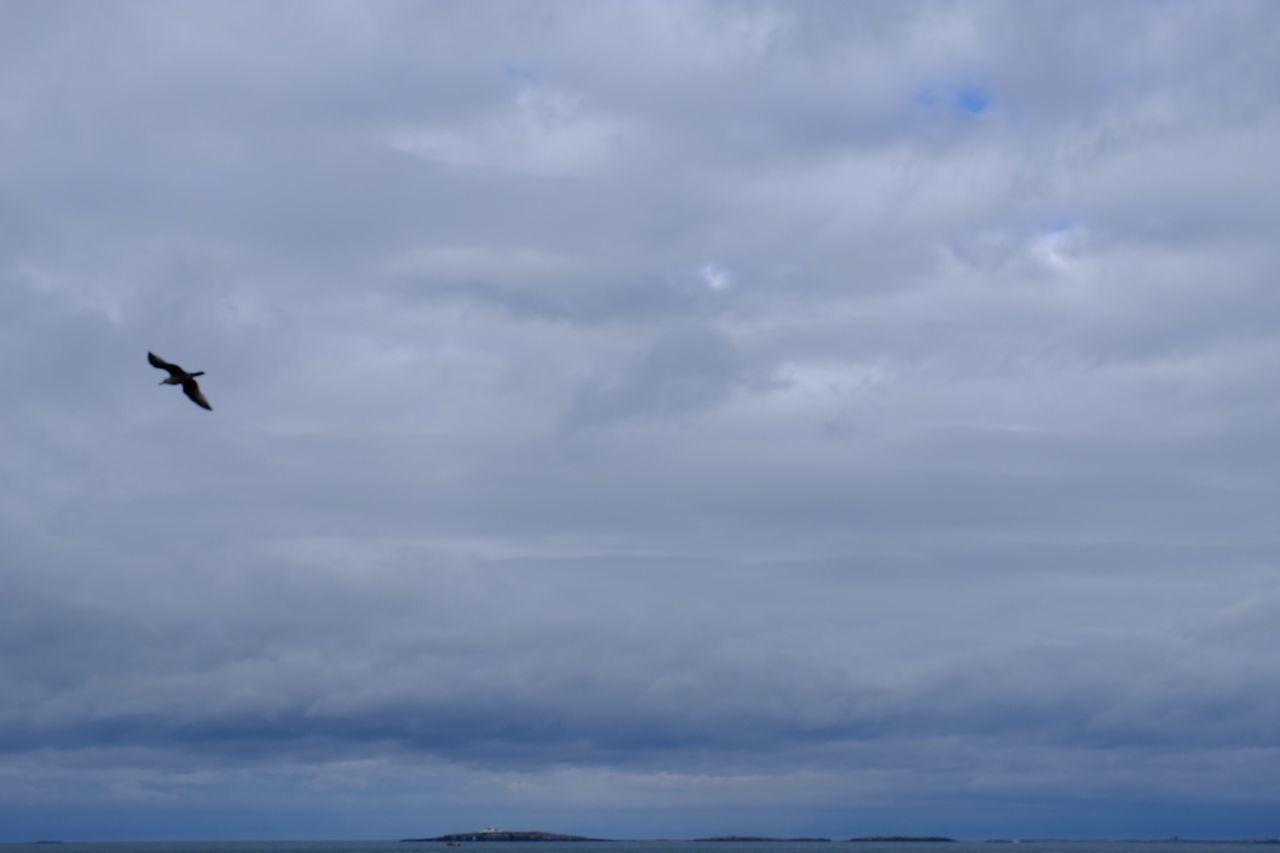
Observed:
{"x":640,"y":418}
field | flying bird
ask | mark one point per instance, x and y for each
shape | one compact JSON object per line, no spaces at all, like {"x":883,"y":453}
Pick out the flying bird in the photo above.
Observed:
{"x":178,"y":376}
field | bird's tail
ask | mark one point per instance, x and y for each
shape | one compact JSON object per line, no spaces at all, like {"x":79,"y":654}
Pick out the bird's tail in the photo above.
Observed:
{"x":197,"y":373}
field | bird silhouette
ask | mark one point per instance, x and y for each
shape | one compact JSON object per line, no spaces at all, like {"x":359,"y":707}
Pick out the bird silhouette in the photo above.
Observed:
{"x":178,"y":376}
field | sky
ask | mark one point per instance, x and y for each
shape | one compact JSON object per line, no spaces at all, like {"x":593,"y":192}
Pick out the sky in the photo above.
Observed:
{"x":640,"y":419}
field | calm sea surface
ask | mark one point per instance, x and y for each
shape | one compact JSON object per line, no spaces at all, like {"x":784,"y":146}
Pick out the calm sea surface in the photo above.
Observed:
{"x":634,"y":847}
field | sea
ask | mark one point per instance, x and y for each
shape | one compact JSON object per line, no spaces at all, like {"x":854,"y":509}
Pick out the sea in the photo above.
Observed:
{"x":642,"y":847}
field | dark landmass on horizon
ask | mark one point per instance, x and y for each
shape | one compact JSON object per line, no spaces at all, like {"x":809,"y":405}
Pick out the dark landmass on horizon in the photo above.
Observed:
{"x":896,"y":838}
{"x":506,"y":835}
{"x":1177,"y":840}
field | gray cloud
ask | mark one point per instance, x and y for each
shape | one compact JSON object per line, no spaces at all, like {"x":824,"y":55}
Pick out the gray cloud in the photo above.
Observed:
{"x":682,"y":369}
{"x":668,"y":418}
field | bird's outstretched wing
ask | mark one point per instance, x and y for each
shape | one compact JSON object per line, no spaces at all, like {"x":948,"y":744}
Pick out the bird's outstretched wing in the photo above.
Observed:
{"x":192,"y":390}
{"x":157,"y":361}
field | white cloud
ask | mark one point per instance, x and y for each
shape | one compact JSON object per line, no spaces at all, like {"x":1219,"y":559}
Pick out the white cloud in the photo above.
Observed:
{"x":715,"y":278}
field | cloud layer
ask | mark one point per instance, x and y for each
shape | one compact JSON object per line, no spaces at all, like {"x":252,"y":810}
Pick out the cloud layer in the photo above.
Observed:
{"x":640,"y":419}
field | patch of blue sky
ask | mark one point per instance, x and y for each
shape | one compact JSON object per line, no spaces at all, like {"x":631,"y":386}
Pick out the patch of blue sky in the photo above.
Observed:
{"x":969,"y":100}
{"x":974,"y":100}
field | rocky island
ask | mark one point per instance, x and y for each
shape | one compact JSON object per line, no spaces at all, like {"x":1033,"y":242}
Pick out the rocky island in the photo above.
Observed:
{"x":504,"y":835}
{"x":909,"y":838}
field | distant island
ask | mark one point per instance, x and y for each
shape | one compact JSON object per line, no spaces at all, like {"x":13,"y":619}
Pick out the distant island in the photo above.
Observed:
{"x":1176,"y":840}
{"x":912,"y":838}
{"x":503,"y":835}
{"x":741,"y":838}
